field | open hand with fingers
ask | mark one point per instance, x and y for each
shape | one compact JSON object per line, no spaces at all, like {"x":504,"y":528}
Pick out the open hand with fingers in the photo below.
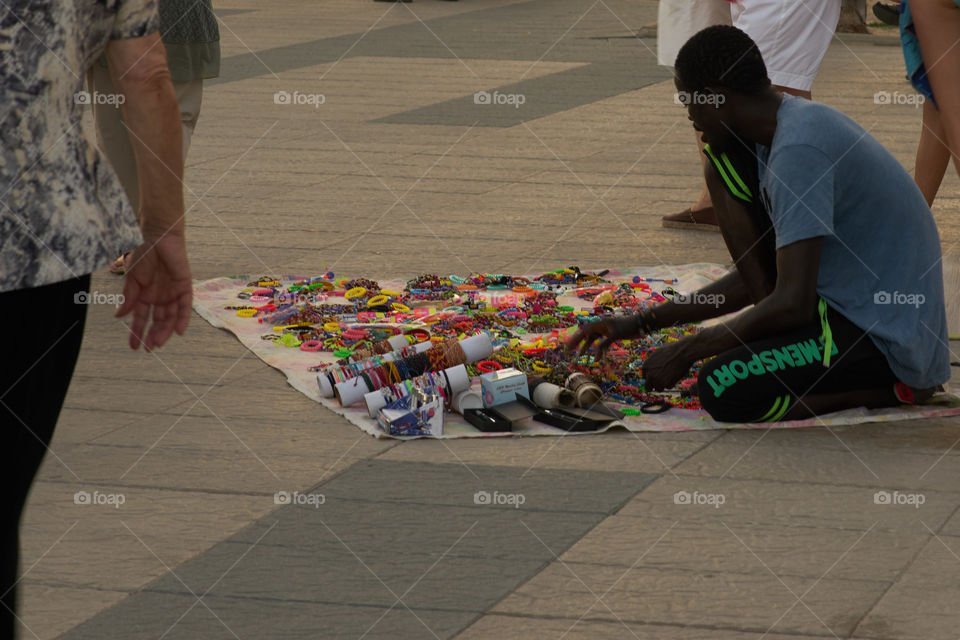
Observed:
{"x":158,"y":281}
{"x":607,"y":331}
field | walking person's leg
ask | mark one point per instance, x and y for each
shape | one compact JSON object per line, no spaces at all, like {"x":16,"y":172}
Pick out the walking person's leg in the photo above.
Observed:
{"x":33,"y":384}
{"x":189,"y":98}
{"x":937,"y":24}
{"x":933,"y":154}
{"x":677,"y":22}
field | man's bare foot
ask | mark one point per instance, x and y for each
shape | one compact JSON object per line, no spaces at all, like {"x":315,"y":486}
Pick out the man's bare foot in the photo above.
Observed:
{"x":699,"y":219}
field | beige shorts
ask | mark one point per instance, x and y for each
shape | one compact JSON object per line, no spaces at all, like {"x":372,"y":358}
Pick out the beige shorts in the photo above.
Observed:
{"x":793,"y":35}
{"x":678,"y":20}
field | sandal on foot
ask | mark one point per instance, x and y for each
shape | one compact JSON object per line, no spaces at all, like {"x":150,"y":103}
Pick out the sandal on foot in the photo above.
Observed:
{"x":700,"y":220}
{"x":119,"y":266}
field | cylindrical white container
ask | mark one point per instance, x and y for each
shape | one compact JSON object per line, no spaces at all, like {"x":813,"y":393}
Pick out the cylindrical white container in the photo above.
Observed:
{"x":350,"y":392}
{"x":467,"y":399}
{"x":478,"y":347}
{"x":459,"y":379}
{"x":326,"y":389}
{"x":551,"y":396}
{"x":398,"y":341}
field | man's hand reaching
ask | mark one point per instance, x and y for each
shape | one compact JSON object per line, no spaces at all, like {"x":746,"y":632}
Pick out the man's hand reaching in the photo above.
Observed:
{"x":610,"y":331}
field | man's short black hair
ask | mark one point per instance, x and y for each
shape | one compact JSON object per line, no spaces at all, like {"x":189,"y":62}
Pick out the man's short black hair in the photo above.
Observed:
{"x":722,"y":57}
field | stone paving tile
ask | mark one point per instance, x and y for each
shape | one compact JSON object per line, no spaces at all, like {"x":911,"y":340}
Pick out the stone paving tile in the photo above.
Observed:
{"x":499,"y":32}
{"x":123,"y":537}
{"x":364,"y":559}
{"x":767,"y":502}
{"x":497,"y":626}
{"x":147,"y":396}
{"x":332,"y":576}
{"x":610,"y":452}
{"x":934,"y":436}
{"x":731,"y":547}
{"x":475,"y":531}
{"x":333,"y":439}
{"x":457,"y":485}
{"x":234,"y":402}
{"x":234,"y":469}
{"x":541,"y":98}
{"x":864,"y":467}
{"x":82,"y":425}
{"x":600,"y":181}
{"x":147,"y":615}
{"x":952,"y":526}
{"x":47,"y":611}
{"x":751,"y":602}
{"x":923,"y":603}
{"x":197,"y":371}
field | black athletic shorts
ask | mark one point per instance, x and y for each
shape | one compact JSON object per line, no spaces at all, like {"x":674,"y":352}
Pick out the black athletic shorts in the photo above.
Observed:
{"x":762,"y":380}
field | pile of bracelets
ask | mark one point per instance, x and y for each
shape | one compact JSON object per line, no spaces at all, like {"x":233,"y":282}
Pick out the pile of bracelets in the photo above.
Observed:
{"x":354,"y":318}
{"x":378,"y":372}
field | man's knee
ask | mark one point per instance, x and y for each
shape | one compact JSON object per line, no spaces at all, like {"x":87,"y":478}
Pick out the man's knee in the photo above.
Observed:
{"x":728,"y":397}
{"x":712,"y":387}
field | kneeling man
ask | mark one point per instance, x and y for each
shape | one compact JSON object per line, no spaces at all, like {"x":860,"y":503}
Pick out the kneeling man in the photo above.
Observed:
{"x":833,"y":243}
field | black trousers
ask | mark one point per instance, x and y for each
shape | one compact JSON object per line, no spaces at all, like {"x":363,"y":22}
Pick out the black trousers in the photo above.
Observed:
{"x":761,"y":381}
{"x":41,"y":329}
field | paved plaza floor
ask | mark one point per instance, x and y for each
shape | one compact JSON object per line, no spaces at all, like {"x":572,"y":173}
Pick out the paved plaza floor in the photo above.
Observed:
{"x":345,"y":135}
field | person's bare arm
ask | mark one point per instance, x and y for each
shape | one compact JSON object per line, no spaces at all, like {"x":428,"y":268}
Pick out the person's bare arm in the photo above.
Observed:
{"x":792,"y":304}
{"x":726,"y":295}
{"x":158,"y":275}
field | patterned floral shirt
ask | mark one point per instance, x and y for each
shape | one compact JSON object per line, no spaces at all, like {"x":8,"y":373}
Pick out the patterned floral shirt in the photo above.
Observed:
{"x":62,"y":210}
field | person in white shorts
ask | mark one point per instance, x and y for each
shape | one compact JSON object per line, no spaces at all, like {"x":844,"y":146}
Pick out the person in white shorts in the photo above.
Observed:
{"x":678,"y":20}
{"x":792,"y":35}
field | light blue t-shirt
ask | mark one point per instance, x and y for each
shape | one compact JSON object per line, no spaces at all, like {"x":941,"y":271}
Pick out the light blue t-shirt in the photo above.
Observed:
{"x":824,"y":175}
